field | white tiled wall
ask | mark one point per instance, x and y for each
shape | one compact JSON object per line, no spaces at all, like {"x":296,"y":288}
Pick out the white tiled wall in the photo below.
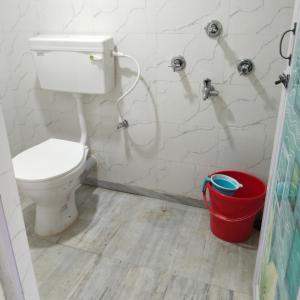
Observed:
{"x":175,"y":138}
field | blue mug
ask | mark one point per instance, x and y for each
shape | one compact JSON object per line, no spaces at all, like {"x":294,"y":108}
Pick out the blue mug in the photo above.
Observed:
{"x":222,"y":183}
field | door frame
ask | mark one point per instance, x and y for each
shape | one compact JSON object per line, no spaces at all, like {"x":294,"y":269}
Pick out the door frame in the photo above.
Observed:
{"x":19,"y":278}
{"x":274,"y":160}
{"x":10,"y":259}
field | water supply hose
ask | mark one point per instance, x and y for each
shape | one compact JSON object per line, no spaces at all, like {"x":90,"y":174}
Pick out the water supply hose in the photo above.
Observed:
{"x":81,"y":118}
{"x":122,"y":122}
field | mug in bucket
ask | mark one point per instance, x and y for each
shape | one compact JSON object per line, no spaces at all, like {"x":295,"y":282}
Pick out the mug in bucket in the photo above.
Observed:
{"x":223,"y":183}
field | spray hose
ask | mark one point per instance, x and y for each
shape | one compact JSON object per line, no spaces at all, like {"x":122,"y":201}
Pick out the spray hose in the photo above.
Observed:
{"x":124,"y":123}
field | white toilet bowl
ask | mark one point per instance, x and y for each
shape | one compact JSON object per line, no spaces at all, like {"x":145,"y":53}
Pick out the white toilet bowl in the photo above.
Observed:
{"x":49,"y":174}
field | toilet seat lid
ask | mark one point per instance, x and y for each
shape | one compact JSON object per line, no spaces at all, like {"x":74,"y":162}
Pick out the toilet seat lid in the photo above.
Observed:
{"x":49,"y":159}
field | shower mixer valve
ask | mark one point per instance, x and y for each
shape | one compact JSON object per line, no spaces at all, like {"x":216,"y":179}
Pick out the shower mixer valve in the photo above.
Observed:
{"x":214,"y":29}
{"x":178,"y":63}
{"x":245,"y":67}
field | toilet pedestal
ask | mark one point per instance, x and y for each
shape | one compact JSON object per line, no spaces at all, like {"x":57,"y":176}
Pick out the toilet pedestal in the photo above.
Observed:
{"x":55,"y":218}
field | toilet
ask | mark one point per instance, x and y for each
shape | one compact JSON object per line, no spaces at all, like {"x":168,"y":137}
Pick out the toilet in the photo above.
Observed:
{"x":50,"y":173}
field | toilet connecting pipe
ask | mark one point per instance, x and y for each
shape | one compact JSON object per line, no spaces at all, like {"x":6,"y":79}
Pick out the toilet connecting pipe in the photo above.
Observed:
{"x":82,"y":121}
{"x":90,"y":164}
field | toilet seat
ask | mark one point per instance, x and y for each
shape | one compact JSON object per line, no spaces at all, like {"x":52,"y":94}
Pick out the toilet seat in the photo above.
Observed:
{"x":48,"y":160}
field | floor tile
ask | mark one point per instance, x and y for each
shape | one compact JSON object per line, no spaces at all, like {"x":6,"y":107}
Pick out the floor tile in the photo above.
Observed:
{"x":59,"y":269}
{"x":125,"y":246}
{"x":114,"y":279}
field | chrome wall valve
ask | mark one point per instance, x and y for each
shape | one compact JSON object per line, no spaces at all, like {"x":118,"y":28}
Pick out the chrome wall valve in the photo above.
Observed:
{"x":214,"y":29}
{"x":178,"y":63}
{"x":245,"y":67}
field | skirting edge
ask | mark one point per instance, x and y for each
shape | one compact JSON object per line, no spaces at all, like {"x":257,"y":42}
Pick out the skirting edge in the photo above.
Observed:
{"x":143,"y":192}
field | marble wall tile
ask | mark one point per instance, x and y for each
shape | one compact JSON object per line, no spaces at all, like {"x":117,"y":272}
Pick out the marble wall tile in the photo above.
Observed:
{"x":197,"y":145}
{"x":254,"y":141}
{"x":97,"y":16}
{"x":173,"y":17}
{"x":183,"y":177}
{"x":138,"y":171}
{"x":22,"y":71}
{"x":7,"y":99}
{"x":63,"y":16}
{"x":259,"y":17}
{"x":143,"y":46}
{"x":245,"y":105}
{"x":18,"y":15}
{"x":172,"y":128}
{"x":178,"y":102}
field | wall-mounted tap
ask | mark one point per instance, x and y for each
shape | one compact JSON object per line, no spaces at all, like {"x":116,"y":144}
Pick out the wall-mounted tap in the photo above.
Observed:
{"x":245,"y":66}
{"x":214,"y":29}
{"x":178,"y":63}
{"x":208,"y":89}
{"x":284,"y":79}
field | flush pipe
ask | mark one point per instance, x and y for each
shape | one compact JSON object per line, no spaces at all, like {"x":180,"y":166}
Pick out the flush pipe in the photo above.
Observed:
{"x":91,"y":162}
{"x":81,"y":118}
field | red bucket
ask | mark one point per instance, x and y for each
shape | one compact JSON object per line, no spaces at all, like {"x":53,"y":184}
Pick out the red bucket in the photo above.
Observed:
{"x":232,"y":217}
{"x":232,"y":230}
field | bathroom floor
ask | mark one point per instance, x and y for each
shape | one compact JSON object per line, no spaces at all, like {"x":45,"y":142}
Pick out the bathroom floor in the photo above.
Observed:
{"x":131,"y":247}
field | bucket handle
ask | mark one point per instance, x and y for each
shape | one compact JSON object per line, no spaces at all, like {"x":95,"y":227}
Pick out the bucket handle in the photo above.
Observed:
{"x":204,"y":188}
{"x":219,"y":216}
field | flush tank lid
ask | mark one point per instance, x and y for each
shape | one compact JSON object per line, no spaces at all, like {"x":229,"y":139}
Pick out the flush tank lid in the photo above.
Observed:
{"x":67,"y":42}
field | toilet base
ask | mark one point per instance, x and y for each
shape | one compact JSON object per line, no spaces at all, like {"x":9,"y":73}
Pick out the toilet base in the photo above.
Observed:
{"x":55,"y":218}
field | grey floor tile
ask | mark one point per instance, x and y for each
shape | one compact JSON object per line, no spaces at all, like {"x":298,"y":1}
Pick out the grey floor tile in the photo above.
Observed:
{"x":38,"y":247}
{"x":149,"y":238}
{"x":114,"y":279}
{"x":242,"y":296}
{"x":234,"y":267}
{"x":130,"y":247}
{"x":184,"y":288}
{"x":59,"y":269}
{"x":100,"y":219}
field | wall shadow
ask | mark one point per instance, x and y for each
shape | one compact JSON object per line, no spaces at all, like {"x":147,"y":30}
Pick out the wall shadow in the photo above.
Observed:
{"x":233,"y":59}
{"x":150,"y":150}
{"x":187,"y":87}
{"x":224,"y":116}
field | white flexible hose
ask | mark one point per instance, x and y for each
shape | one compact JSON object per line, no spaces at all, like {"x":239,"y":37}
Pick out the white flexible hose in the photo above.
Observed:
{"x":120,"y":54}
{"x":81,"y":118}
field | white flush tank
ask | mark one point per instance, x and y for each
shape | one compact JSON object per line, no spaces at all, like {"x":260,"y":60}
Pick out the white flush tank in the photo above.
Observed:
{"x":74,"y":63}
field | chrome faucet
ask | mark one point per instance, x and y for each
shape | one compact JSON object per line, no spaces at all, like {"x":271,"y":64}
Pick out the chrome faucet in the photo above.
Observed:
{"x":208,"y":89}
